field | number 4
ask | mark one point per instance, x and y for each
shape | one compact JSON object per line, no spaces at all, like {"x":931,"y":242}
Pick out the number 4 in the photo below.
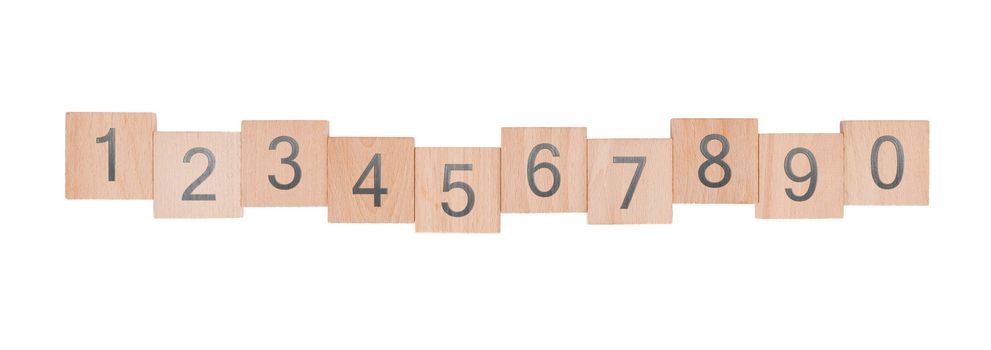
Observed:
{"x":374,"y":167}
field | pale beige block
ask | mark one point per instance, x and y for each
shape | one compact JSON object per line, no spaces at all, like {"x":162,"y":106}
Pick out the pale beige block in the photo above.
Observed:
{"x":305,"y":186}
{"x":912,"y":187}
{"x":482,"y":180}
{"x":92,"y":171}
{"x":826,"y":201}
{"x":517,"y":146}
{"x":612,"y":167}
{"x":687,"y":136}
{"x":349,"y":158}
{"x":181,"y":159}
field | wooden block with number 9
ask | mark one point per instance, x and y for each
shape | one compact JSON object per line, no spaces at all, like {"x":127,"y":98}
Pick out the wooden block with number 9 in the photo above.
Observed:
{"x":801,"y":176}
{"x":544,"y":170}
{"x":715,"y":160}
{"x":198,"y":175}
{"x":629,"y":181}
{"x":457,"y":190}
{"x":108,"y":155}
{"x":284,"y":163}
{"x":370,"y":179}
{"x":887,"y":162}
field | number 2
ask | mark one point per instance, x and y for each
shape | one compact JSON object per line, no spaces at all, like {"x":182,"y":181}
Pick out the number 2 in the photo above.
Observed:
{"x":448,"y":186}
{"x":211,"y":162}
{"x":640,"y":161}
{"x":374,"y":167}
{"x":111,"y":140}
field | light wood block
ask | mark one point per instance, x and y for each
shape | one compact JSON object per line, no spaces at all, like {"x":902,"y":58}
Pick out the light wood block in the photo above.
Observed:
{"x":357,"y":164}
{"x":272,"y":175}
{"x":447,"y":180}
{"x":784,"y":196}
{"x":108,"y":155}
{"x":875,"y":177}
{"x":187,"y":186}
{"x":629,"y":181}
{"x":690,"y":136}
{"x":539,"y":154}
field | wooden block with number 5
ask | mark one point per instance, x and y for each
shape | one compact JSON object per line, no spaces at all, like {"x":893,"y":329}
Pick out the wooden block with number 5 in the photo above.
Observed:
{"x":457,"y":190}
{"x":887,"y":162}
{"x":108,"y":155}
{"x":544,"y":170}
{"x":370,"y":179}
{"x":198,"y":175}
{"x":715,"y":160}
{"x":629,"y":181}
{"x":284,"y":163}
{"x":801,"y":176}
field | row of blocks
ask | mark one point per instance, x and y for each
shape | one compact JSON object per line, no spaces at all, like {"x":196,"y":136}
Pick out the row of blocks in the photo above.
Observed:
{"x":536,"y":170}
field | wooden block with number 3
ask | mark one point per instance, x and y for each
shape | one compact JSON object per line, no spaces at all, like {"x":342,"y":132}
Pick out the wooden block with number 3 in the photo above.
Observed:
{"x":198,"y":175}
{"x":887,"y":162}
{"x":108,"y":155}
{"x":457,"y":190}
{"x":284,"y":163}
{"x":629,"y":181}
{"x":715,"y":160}
{"x":801,"y":176}
{"x":370,"y":179}
{"x":544,"y":170}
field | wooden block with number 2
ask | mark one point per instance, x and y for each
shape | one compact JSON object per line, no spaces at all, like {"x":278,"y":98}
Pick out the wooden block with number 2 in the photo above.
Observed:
{"x":198,"y":175}
{"x":457,"y":190}
{"x":629,"y":181}
{"x":108,"y":155}
{"x":370,"y":179}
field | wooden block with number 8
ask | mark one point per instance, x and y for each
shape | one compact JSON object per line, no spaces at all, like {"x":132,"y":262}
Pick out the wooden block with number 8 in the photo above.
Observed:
{"x":370,"y":179}
{"x":198,"y":175}
{"x":457,"y":190}
{"x":108,"y":155}
{"x":629,"y":181}
{"x":284,"y":163}
{"x":887,"y":162}
{"x":715,"y":160}
{"x":801,"y":176}
{"x":544,"y":170}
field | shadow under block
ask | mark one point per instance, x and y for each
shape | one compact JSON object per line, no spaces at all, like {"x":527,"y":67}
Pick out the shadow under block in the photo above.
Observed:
{"x":730,"y":144}
{"x":198,"y":175}
{"x":108,"y":155}
{"x":872,"y":176}
{"x":788,"y":192}
{"x":629,"y":181}
{"x":457,"y":190}
{"x":362,"y":169}
{"x":284,"y":163}
{"x":531,"y":157}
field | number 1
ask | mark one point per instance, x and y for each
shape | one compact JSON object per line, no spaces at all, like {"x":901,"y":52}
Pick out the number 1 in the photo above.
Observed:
{"x":111,"y":140}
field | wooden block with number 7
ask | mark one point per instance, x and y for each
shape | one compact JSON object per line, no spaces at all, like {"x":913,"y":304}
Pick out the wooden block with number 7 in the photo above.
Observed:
{"x":198,"y":175}
{"x":370,"y":179}
{"x":715,"y":160}
{"x":108,"y":155}
{"x":284,"y":163}
{"x":544,"y":170}
{"x":887,"y":162}
{"x":629,"y":181}
{"x":457,"y":190}
{"x":801,"y":176}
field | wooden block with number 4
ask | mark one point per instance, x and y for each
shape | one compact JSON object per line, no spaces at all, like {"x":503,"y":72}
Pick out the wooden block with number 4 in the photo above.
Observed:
{"x":457,"y":190}
{"x":108,"y":155}
{"x":544,"y":170}
{"x":629,"y":181}
{"x":715,"y":160}
{"x":284,"y":163}
{"x":887,"y":162}
{"x":370,"y":179}
{"x":801,"y":176}
{"x":198,"y":175}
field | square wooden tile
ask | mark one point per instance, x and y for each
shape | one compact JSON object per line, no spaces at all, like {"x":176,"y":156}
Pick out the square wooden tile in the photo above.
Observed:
{"x":887,"y":162}
{"x":284,"y":163}
{"x":370,"y":179}
{"x":457,"y":190}
{"x":629,"y":181}
{"x":108,"y":155}
{"x":543,"y":170}
{"x":198,"y":175}
{"x":807,"y":191}
{"x":731,"y":145}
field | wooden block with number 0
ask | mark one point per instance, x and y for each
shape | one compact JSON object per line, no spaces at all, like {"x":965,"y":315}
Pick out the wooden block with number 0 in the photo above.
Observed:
{"x":715,"y":160}
{"x":801,"y":176}
{"x":284,"y":163}
{"x":457,"y":190}
{"x":370,"y":179}
{"x":629,"y":181}
{"x":198,"y":175}
{"x":544,"y":170}
{"x":108,"y":155}
{"x":887,"y":162}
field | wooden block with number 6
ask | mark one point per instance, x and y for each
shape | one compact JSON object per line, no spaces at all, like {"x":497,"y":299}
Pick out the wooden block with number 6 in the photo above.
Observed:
{"x":198,"y":175}
{"x":457,"y":190}
{"x":370,"y":179}
{"x":629,"y":181}
{"x":544,"y":170}
{"x":108,"y":155}
{"x":887,"y":162}
{"x":284,"y":163}
{"x":801,"y":176}
{"x":715,"y":160}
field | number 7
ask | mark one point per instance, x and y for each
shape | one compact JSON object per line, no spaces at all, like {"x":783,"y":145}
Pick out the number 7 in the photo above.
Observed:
{"x":640,"y":161}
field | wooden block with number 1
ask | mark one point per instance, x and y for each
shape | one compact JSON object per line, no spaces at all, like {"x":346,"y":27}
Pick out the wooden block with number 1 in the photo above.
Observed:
{"x":544,"y":170}
{"x":887,"y":162}
{"x":284,"y":163}
{"x":801,"y":176}
{"x":629,"y":181}
{"x":370,"y":179}
{"x":198,"y":175}
{"x":109,"y":155}
{"x":715,"y":160}
{"x":457,"y":190}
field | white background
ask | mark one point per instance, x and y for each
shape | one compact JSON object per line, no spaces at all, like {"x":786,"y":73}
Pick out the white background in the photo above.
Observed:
{"x":105,"y":275}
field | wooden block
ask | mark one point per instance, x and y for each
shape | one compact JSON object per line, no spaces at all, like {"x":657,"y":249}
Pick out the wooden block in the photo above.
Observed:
{"x":108,"y":155}
{"x":457,"y":190}
{"x":284,"y":163}
{"x":887,"y":162}
{"x":370,"y":179}
{"x":629,"y":181}
{"x":715,"y":160}
{"x":543,"y":170}
{"x":801,"y":176}
{"x":197,"y":175}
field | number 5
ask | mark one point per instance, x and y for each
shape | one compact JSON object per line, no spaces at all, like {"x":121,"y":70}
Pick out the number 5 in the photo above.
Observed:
{"x":448,"y":186}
